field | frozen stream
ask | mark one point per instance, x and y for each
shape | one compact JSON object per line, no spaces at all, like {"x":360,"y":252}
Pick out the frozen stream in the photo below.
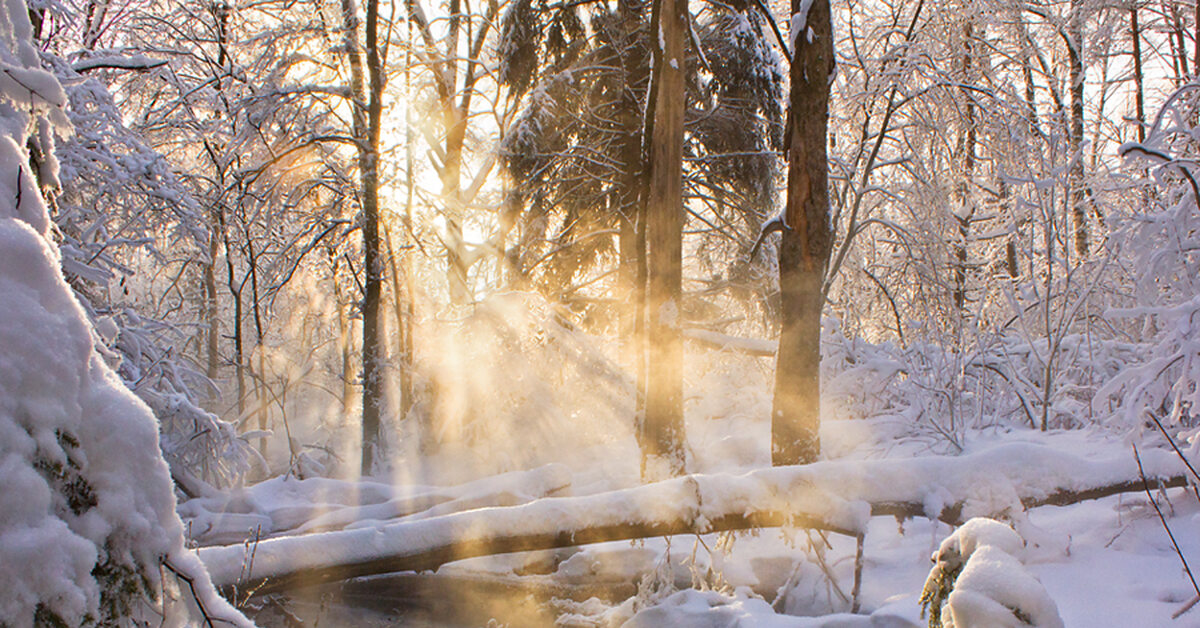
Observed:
{"x":423,"y":601}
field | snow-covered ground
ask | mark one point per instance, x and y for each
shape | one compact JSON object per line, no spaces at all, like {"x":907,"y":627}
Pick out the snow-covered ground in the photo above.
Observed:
{"x":1106,"y":562}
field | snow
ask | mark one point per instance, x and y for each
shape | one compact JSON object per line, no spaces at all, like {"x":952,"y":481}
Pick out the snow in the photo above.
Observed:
{"x":86,"y":491}
{"x":85,"y":483}
{"x":710,"y":608}
{"x":993,"y":588}
{"x":799,"y":23}
{"x":838,"y":493}
{"x":119,"y":61}
{"x":60,"y":404}
{"x":752,"y":346}
{"x":286,"y":505}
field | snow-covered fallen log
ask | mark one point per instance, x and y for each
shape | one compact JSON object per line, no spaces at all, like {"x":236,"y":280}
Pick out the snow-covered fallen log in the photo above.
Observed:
{"x":724,"y":342}
{"x":839,"y":496}
{"x":291,"y":506}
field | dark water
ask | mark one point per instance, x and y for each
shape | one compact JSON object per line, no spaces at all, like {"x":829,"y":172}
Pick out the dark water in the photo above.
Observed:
{"x":427,"y":601}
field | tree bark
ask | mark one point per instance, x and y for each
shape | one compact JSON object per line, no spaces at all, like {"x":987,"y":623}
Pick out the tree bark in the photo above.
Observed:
{"x":344,"y":340}
{"x":259,"y":376}
{"x":1075,"y":186}
{"x":627,"y":199}
{"x":367,"y":116}
{"x":966,"y":209}
{"x":1139,"y":92}
{"x":235,"y":291}
{"x":211,"y":313}
{"x":807,"y":242}
{"x":661,"y":430}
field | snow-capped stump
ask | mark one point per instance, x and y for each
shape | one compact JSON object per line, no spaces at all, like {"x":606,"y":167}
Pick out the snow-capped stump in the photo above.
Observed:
{"x":978,"y":581}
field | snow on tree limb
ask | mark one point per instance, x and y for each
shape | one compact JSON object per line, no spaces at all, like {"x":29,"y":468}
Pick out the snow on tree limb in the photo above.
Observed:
{"x":140,"y":63}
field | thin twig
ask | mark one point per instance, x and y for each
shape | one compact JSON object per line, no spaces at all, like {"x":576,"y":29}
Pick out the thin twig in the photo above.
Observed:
{"x":1175,"y":447}
{"x":192,"y":585}
{"x":858,"y":569}
{"x":1150,"y":496}
{"x":1186,"y":607}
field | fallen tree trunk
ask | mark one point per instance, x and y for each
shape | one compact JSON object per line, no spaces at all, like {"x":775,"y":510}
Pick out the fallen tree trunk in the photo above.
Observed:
{"x":227,"y":520}
{"x":840,"y":496}
{"x":724,"y":342}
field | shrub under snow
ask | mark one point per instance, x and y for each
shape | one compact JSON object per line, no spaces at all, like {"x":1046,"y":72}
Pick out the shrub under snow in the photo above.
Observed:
{"x":977,"y":581}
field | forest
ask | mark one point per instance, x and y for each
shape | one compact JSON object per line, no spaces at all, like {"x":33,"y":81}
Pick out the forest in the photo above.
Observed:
{"x":599,"y":313}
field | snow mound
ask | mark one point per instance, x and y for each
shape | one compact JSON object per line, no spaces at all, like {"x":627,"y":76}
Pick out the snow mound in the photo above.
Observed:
{"x":712,"y":609}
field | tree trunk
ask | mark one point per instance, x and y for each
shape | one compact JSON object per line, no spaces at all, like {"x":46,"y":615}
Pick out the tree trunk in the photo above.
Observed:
{"x":661,"y":430}
{"x":1180,"y":48}
{"x":211,"y":313}
{"x":627,"y":201}
{"x":1075,"y":186}
{"x":807,"y":242}
{"x":373,"y":351}
{"x":235,"y":291}
{"x":456,"y":263}
{"x":344,"y":341}
{"x":402,"y":312}
{"x":367,"y":116}
{"x":1139,"y":92}
{"x":260,"y":380}
{"x":408,"y":358}
{"x":966,"y":208}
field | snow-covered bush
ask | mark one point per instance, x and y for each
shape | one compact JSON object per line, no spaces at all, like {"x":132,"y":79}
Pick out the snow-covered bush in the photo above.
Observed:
{"x":87,"y":520}
{"x":1163,"y":248}
{"x":119,"y":201}
{"x":977,"y":581}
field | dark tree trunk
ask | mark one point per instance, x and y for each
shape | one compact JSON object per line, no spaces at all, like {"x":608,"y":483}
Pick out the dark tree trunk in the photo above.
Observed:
{"x":373,"y":351}
{"x":631,"y":249}
{"x":661,"y":430}
{"x":807,"y":242}
{"x":367,"y":117}
{"x":212,"y":314}
{"x":1139,"y":92}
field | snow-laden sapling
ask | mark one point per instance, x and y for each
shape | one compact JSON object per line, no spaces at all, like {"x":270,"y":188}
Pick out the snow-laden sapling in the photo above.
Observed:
{"x":978,"y":581}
